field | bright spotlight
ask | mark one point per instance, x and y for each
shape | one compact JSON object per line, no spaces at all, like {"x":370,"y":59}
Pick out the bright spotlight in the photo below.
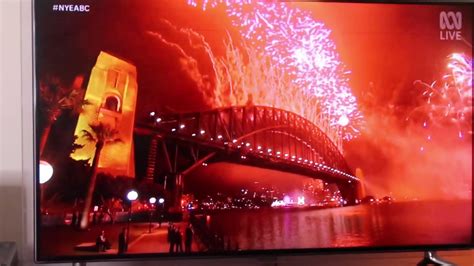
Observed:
{"x":45,"y":172}
{"x":132,"y":195}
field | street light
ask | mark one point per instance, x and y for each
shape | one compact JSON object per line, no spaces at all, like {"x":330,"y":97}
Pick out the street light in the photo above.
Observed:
{"x":132,"y":195}
{"x":152,"y":201}
{"x":161,"y":201}
{"x":45,"y":172}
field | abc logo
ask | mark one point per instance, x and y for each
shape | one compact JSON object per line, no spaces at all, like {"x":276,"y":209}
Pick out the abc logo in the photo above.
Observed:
{"x":450,"y":20}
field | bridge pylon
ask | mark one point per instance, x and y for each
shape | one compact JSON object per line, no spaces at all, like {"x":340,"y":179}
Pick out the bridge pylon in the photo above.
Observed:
{"x":174,"y":190}
{"x":350,"y":192}
{"x":362,"y":191}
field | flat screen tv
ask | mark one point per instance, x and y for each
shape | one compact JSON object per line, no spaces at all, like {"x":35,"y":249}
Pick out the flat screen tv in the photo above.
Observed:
{"x":192,"y":128}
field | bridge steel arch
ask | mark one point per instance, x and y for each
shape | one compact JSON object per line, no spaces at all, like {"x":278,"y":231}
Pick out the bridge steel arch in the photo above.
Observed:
{"x":260,"y":135}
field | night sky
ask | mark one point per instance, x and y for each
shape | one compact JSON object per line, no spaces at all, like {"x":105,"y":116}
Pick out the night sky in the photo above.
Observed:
{"x":387,"y":47}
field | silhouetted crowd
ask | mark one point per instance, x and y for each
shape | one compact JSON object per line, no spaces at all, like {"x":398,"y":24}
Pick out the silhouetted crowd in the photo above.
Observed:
{"x":175,"y":238}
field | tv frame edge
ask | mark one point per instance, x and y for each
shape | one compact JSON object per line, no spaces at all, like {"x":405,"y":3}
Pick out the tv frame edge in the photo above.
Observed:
{"x":30,"y":166}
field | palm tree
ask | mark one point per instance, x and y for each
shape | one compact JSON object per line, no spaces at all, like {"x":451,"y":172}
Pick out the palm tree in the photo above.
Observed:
{"x":101,"y":134}
{"x":54,"y":98}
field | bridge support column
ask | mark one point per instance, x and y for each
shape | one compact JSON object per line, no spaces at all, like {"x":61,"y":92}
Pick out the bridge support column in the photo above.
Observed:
{"x":174,"y":188}
{"x":350,"y":192}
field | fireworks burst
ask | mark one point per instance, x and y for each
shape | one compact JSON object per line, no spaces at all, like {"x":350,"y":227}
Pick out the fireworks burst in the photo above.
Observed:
{"x":449,"y":100}
{"x":296,"y":48}
{"x":240,"y":83}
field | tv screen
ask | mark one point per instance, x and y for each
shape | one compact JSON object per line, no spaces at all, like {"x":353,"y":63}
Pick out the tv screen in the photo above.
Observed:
{"x":195,"y":128}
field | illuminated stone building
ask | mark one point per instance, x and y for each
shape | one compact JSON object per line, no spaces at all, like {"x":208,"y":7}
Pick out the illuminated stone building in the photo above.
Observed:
{"x":112,"y":94}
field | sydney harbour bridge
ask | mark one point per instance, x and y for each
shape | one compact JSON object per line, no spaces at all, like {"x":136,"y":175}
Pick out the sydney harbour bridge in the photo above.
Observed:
{"x":259,"y":136}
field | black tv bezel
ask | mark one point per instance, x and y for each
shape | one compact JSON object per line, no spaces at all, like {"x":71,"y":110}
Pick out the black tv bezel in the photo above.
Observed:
{"x":273,"y":253}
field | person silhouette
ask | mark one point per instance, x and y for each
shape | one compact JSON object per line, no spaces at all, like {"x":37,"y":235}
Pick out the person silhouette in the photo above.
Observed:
{"x":179,"y":240}
{"x":102,"y":243}
{"x":171,"y":237}
{"x":188,"y":238}
{"x":122,"y":241}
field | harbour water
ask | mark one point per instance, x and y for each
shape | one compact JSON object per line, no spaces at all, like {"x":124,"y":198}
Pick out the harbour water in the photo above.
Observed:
{"x":390,"y":224}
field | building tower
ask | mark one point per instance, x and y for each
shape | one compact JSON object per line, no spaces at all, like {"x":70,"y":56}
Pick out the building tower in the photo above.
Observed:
{"x":112,"y":95}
